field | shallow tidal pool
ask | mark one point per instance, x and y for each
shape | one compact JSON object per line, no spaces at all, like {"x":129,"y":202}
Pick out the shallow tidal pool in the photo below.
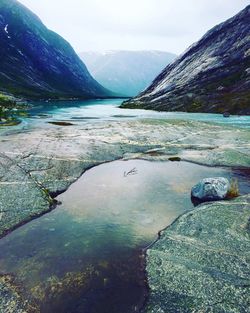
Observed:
{"x":86,"y":256}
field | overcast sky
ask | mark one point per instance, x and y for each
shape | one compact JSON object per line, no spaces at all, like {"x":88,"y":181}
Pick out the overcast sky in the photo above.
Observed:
{"x":168,"y":25}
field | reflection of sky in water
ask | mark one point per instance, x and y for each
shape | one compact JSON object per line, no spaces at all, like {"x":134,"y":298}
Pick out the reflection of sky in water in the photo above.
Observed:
{"x":103,"y":222}
{"x":96,"y":110}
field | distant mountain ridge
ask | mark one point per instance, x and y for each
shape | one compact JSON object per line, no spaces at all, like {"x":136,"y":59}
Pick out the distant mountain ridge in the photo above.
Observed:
{"x":213,"y":75}
{"x":126,"y":72}
{"x":38,"y":63}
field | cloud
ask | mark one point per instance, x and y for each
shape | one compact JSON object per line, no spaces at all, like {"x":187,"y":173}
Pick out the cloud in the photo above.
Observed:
{"x":133,"y":24}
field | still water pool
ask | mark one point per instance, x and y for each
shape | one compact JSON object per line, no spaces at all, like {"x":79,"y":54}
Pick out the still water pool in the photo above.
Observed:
{"x":86,"y":255}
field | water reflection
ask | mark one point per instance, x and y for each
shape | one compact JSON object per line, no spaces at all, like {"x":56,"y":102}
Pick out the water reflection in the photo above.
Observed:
{"x":85,"y":256}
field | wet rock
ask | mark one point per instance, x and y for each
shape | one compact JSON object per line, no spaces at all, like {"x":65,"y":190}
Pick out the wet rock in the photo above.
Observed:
{"x":226,"y":114}
{"x":38,"y":162}
{"x":174,"y":159}
{"x":61,"y":123}
{"x":209,"y":189}
{"x":45,"y":161}
{"x":10,"y":299}
{"x":200,"y":263}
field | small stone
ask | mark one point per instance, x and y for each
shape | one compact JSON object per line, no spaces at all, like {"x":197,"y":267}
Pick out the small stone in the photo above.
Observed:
{"x":226,"y":114}
{"x":207,"y":189}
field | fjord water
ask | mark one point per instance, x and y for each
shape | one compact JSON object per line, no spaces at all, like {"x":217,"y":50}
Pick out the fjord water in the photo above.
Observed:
{"x":108,"y":109}
{"x":86,"y":255}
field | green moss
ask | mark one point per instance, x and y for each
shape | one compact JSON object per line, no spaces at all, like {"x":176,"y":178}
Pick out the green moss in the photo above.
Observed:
{"x":10,"y":122}
{"x":234,"y":189}
{"x":10,"y":110}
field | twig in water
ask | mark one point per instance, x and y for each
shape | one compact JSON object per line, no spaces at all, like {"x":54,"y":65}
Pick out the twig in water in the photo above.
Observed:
{"x":131,"y":172}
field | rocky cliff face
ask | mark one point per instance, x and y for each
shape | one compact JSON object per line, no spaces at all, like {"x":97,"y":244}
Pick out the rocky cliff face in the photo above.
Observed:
{"x":126,"y":72}
{"x":36,"y":62}
{"x":213,"y":75}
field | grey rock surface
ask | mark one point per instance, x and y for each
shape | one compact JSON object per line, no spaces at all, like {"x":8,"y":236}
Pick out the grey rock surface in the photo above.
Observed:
{"x":42,"y":161}
{"x":21,"y":196}
{"x":201,"y":262}
{"x":46,"y":161}
{"x":215,"y":188}
{"x":211,"y":76}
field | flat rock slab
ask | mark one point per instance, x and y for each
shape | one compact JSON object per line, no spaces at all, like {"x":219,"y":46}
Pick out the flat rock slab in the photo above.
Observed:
{"x":46,"y":160}
{"x":201,"y":262}
{"x":21,"y":196}
{"x":40,"y":161}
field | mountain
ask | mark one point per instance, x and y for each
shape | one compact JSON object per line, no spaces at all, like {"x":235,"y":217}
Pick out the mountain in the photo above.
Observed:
{"x":213,"y":75}
{"x":36,"y":62}
{"x":126,"y":72}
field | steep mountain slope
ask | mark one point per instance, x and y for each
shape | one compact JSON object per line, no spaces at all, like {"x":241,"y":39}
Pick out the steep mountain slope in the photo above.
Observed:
{"x":213,"y":75}
{"x":36,"y":62}
{"x":126,"y":72}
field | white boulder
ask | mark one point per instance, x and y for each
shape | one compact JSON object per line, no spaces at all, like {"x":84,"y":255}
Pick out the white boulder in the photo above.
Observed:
{"x":208,"y":189}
